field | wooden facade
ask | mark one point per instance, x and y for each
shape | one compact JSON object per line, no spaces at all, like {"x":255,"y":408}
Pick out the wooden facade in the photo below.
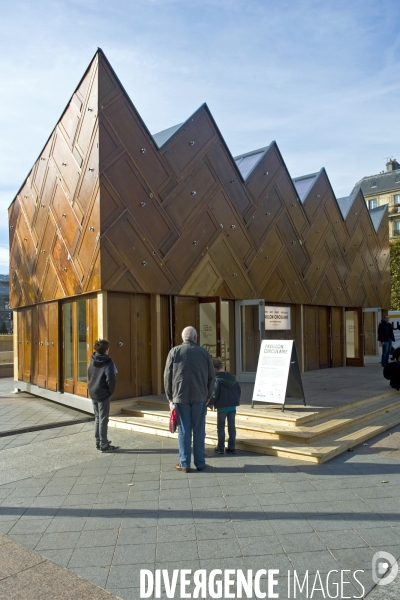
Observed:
{"x":113,"y":234}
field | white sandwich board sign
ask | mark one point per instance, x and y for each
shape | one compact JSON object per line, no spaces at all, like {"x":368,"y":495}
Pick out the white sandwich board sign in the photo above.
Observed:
{"x":278,"y":373}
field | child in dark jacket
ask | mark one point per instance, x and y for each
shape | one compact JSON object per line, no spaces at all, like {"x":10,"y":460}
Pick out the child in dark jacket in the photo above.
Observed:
{"x":225,"y":398}
{"x":101,"y":386}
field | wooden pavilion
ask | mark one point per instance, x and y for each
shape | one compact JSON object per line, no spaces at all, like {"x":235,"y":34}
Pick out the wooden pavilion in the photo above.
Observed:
{"x":119,"y":234}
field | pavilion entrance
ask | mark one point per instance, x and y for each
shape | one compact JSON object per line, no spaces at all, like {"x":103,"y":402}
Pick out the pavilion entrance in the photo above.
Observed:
{"x":250,"y":330}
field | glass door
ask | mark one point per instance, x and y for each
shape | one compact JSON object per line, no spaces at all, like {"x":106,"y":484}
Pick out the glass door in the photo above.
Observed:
{"x":68,"y":348}
{"x":217,"y":329}
{"x":250,"y":330}
{"x":228,"y":335}
{"x":372,"y":350}
{"x":354,"y":338}
{"x":82,"y":347}
{"x":79,"y":330}
{"x":210,"y":325}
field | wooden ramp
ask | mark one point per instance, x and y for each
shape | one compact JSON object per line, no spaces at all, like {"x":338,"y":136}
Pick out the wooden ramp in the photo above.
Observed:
{"x":301,"y":433}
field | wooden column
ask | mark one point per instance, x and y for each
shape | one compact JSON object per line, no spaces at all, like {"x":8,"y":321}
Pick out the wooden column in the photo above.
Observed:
{"x":344,"y":335}
{"x":157,"y":367}
{"x":300,"y":334}
{"x":102,"y":319}
{"x":15,"y":343}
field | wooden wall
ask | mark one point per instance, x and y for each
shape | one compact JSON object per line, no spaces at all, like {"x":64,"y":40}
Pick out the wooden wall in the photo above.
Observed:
{"x":181,"y":220}
{"x":55,"y":218}
{"x":41,"y":355}
{"x":129,"y":334}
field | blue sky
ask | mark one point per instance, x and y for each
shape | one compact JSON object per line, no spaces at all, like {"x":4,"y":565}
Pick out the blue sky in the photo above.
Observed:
{"x":319,"y":77}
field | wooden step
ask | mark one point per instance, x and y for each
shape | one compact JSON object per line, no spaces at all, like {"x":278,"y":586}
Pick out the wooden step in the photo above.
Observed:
{"x":354,"y":416}
{"x":336,"y":444}
{"x":260,"y":442}
{"x":293,"y":415}
{"x":265,"y":428}
{"x":299,"y":415}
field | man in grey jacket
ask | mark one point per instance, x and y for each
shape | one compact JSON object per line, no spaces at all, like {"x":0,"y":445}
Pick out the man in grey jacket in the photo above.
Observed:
{"x":189,"y":382}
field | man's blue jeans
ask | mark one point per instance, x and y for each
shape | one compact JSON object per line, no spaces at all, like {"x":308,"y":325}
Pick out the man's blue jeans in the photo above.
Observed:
{"x":386,"y":348}
{"x":191,"y":418}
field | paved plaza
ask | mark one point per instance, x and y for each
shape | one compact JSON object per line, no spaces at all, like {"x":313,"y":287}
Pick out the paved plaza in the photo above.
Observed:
{"x":71,"y":517}
{"x":23,"y":411}
{"x":327,"y":388}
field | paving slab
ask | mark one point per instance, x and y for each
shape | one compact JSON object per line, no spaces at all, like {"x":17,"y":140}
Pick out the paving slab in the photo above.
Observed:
{"x":27,"y":575}
{"x":67,"y":503}
{"x":21,"y":410}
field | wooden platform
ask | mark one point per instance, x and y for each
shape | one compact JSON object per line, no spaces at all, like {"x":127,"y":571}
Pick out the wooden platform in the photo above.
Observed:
{"x":302,"y":433}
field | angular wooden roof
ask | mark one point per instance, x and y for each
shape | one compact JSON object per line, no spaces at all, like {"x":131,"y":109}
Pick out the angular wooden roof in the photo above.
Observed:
{"x":105,"y":208}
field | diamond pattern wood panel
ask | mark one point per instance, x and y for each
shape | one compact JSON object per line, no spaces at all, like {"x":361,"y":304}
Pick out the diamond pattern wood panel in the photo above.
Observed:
{"x":105,"y":208}
{"x":55,"y":218}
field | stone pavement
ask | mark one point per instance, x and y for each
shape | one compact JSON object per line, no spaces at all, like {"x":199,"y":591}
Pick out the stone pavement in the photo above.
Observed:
{"x":106,"y":516}
{"x":27,"y":575}
{"x":23,"y":410}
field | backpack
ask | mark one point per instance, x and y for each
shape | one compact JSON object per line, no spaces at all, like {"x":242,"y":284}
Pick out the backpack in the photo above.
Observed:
{"x":390,"y":370}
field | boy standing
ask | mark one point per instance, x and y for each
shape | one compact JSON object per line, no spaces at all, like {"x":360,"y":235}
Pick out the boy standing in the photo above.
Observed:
{"x":101,"y":385}
{"x":225,"y":398}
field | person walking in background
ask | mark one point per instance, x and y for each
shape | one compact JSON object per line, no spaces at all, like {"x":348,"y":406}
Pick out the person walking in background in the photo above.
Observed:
{"x":225,"y":398}
{"x":189,"y":383}
{"x":101,"y":386}
{"x":386,"y":337}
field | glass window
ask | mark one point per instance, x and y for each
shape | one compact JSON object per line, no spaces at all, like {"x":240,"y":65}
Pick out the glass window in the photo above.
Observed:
{"x":225,"y":334}
{"x":82,"y":339}
{"x":396,"y":226}
{"x":303,"y":186}
{"x":372,"y":203}
{"x":396,"y":199}
{"x":352,"y":338}
{"x":246,"y":163}
{"x":374,"y":183}
{"x":397,"y":178}
{"x":67,"y":313}
{"x":371,"y":334}
{"x":251,"y":337}
{"x":208,"y":327}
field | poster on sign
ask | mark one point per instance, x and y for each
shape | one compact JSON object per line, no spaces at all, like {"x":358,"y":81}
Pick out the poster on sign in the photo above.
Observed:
{"x":278,"y":373}
{"x":277,"y":318}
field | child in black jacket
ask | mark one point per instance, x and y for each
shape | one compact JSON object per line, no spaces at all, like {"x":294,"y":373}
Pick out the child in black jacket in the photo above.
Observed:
{"x":101,"y":386}
{"x":225,"y":398}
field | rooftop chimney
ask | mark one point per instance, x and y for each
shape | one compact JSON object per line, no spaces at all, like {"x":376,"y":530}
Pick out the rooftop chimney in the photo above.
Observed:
{"x":392,"y":165}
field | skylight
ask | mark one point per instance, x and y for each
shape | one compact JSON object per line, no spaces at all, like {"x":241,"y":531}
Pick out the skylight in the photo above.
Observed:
{"x":374,"y":183}
{"x":303,"y":186}
{"x":246,"y":163}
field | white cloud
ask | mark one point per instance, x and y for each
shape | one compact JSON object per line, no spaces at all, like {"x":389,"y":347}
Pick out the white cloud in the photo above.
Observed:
{"x":4,"y":260}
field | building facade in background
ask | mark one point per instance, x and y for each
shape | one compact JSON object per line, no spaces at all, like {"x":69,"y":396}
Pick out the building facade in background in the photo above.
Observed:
{"x":384,"y":189}
{"x":120,"y":234}
{"x":6,"y":320}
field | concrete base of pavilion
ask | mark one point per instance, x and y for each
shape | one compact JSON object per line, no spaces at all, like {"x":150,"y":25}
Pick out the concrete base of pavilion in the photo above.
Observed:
{"x":345,"y":407}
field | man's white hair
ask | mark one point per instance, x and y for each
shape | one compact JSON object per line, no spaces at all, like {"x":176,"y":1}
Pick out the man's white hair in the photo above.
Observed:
{"x":189,"y":334}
